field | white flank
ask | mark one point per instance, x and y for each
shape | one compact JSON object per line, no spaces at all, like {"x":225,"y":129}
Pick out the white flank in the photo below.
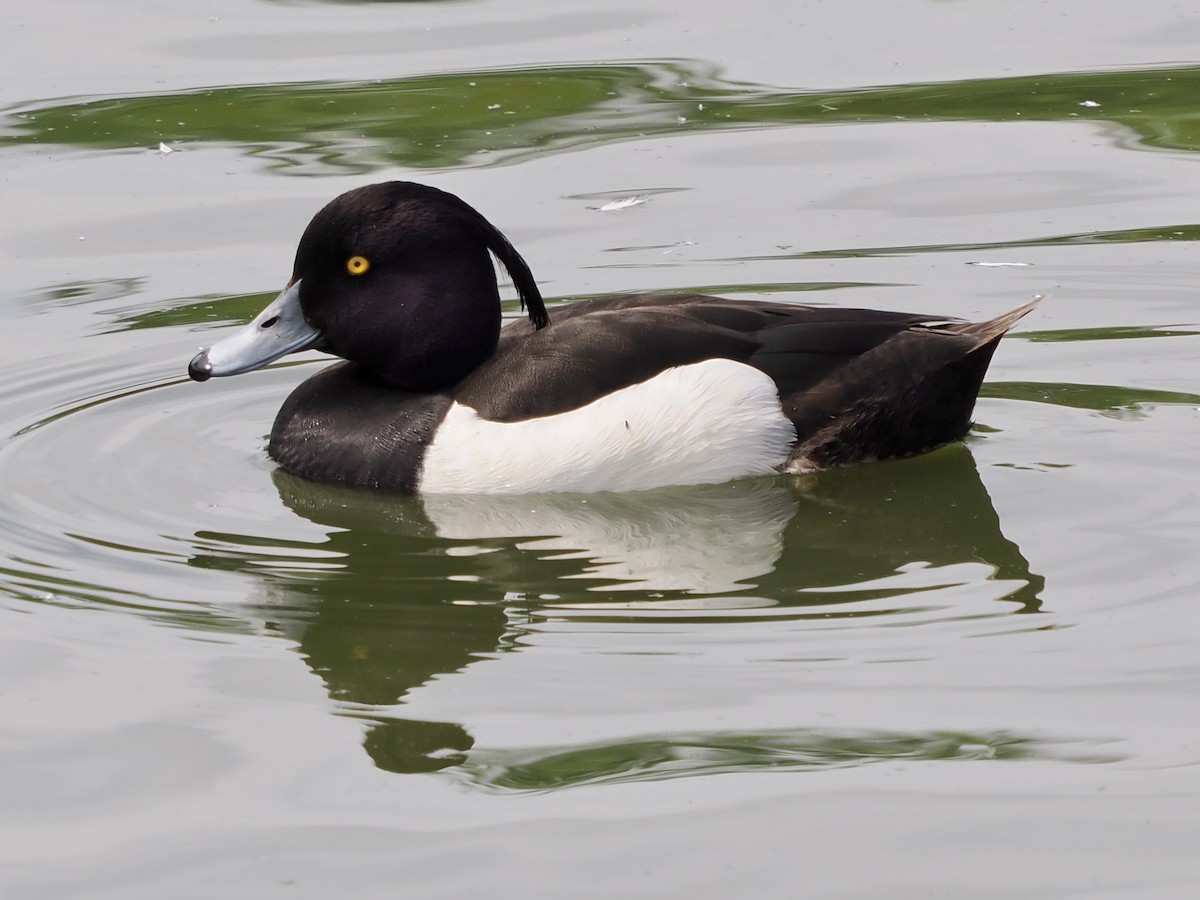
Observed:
{"x":699,"y":424}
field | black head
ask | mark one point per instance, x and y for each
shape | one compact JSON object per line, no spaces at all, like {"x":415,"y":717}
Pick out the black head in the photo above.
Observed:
{"x":398,"y":278}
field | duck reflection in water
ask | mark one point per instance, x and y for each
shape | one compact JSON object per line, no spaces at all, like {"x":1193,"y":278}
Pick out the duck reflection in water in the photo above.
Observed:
{"x":423,"y":586}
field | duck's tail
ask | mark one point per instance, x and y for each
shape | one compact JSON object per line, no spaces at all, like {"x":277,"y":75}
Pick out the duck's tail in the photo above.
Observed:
{"x":910,"y":393}
{"x":989,"y":331}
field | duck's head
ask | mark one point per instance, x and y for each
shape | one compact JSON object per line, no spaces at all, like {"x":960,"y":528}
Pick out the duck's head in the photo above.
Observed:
{"x":396,"y":277}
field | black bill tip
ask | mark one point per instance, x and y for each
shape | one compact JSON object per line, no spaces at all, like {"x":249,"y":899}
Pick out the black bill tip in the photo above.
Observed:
{"x":200,"y":369}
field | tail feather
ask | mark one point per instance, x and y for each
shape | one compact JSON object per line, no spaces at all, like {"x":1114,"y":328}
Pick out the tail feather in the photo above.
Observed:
{"x":903,"y":396}
{"x":986,"y":332}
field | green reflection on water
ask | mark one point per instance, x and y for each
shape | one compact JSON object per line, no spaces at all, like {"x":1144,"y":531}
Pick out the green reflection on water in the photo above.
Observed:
{"x":411,"y":588}
{"x":31,"y":582}
{"x":1119,"y":333}
{"x":493,"y":116}
{"x":1106,"y":398}
{"x":801,"y":749}
{"x":1189,"y":233}
{"x":208,"y":311}
{"x":778,"y":537}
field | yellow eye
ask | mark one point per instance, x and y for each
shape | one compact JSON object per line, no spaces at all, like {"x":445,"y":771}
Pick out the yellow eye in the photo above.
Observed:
{"x":358,"y":265}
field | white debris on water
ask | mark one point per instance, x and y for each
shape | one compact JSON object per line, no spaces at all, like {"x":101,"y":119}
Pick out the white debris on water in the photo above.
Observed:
{"x":677,"y":245}
{"x":624,"y":203}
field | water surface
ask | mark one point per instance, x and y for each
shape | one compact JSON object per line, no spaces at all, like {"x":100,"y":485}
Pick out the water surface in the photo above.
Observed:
{"x":970,"y":673}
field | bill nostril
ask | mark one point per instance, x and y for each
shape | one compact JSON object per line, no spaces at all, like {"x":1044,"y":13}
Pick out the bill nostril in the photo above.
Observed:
{"x":269,"y":323}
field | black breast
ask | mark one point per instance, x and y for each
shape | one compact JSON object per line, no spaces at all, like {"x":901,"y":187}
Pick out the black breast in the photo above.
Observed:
{"x":342,"y":425}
